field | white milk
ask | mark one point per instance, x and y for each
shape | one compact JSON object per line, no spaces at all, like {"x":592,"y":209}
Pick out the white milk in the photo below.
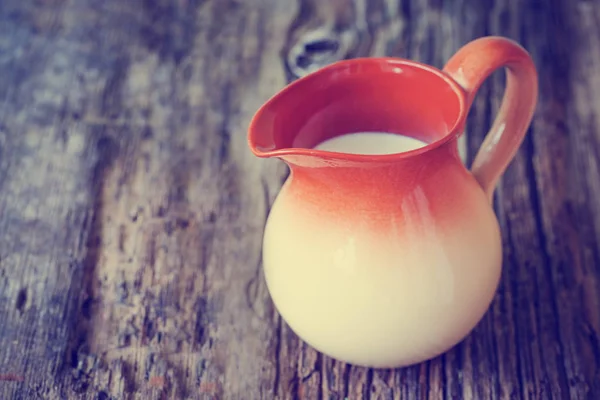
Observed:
{"x":371,"y":143}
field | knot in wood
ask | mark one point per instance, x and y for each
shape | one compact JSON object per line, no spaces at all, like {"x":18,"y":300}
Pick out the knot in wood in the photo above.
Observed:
{"x":316,"y":49}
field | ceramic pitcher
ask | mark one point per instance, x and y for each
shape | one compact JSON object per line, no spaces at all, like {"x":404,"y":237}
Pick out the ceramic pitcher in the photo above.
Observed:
{"x":386,"y":260}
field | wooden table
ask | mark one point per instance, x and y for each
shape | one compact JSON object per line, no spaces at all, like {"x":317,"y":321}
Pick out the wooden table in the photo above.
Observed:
{"x":131,"y":210}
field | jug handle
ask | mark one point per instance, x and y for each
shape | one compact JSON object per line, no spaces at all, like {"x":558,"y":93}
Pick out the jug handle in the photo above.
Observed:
{"x":470,"y":67}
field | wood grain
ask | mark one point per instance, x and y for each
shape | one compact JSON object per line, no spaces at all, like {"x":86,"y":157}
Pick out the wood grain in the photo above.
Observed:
{"x":131,"y":211}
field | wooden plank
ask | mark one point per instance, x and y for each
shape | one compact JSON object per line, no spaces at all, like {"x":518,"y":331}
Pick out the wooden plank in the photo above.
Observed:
{"x":131,"y":211}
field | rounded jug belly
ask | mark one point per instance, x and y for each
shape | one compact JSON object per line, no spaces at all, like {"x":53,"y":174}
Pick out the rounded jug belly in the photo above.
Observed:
{"x":382,"y":297}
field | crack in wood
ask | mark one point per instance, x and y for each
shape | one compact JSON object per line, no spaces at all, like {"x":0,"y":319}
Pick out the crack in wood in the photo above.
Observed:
{"x":277,"y":355}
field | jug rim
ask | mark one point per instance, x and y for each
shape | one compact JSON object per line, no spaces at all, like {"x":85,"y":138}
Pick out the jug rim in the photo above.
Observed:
{"x":454,"y":132}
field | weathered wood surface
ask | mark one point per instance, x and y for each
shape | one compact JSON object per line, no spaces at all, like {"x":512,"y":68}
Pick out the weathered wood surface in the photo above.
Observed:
{"x":131,"y":210}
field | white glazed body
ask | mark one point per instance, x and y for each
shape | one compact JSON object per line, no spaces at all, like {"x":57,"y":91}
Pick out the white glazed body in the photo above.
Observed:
{"x":389,"y":296}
